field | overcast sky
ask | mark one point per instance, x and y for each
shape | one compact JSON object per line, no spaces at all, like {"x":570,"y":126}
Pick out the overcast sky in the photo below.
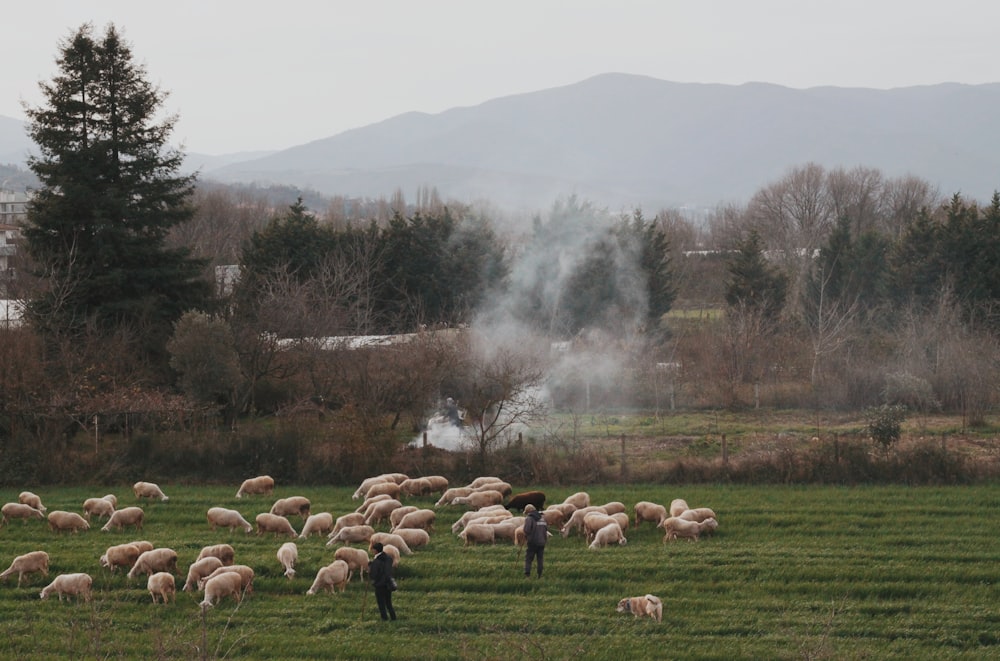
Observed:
{"x":248,"y":75}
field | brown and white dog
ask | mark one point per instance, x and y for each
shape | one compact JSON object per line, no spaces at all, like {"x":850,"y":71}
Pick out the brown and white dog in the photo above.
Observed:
{"x":639,"y":606}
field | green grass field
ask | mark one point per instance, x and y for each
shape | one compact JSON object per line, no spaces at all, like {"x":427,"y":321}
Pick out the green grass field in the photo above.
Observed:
{"x":793,"y":573}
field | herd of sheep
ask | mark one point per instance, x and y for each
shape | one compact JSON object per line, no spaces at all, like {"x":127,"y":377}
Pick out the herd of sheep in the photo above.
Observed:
{"x":489,"y":518}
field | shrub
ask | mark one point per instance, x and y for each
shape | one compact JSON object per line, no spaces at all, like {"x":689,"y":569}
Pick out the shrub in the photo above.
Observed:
{"x":885,"y":423}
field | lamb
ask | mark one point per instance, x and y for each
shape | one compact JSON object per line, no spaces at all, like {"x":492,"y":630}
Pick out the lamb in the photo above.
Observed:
{"x":609,"y":534}
{"x":19,"y":511}
{"x":397,"y":514}
{"x":224,"y":552}
{"x":518,"y":501}
{"x":99,"y":507}
{"x":292,"y":505}
{"x":580,"y":499}
{"x":356,"y":559}
{"x":698,"y":514}
{"x":352,"y":535}
{"x":480,"y":499}
{"x":29,"y":563}
{"x":677,"y":507}
{"x":245,"y":573}
{"x":334,"y":575}
{"x":319,"y":524}
{"x":200,"y":569}
{"x":279,"y":525}
{"x":148,"y":490}
{"x":288,"y":555}
{"x":162,"y":585}
{"x":150,"y":562}
{"x":422,"y":519}
{"x":414,"y":537}
{"x":262,"y":484}
{"x":380,"y":511}
{"x":221,"y":586}
{"x":352,"y":519}
{"x":677,"y":527}
{"x":648,"y":511}
{"x":30,"y":499}
{"x":390,"y":489}
{"x":418,"y":486}
{"x":451,"y":494}
{"x":60,"y":520}
{"x":478,"y":533}
{"x":389,"y":538}
{"x":221,"y":517}
{"x":127,"y":516}
{"x":120,"y":555}
{"x":78,"y":585}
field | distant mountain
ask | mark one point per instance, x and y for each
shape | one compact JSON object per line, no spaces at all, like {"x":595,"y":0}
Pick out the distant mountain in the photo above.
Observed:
{"x":14,"y":141}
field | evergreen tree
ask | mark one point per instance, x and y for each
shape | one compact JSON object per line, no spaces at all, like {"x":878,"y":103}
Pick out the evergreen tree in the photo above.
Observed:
{"x":109,"y":195}
{"x":754,"y":283}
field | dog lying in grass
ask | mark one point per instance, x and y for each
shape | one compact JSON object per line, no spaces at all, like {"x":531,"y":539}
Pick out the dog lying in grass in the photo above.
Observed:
{"x":639,"y":606}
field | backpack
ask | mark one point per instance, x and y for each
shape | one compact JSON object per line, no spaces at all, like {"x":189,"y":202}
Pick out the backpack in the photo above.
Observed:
{"x":540,"y":533}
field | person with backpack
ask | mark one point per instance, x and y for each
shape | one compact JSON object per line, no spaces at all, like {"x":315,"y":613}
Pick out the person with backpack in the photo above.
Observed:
{"x":380,"y":572}
{"x":536,"y":534}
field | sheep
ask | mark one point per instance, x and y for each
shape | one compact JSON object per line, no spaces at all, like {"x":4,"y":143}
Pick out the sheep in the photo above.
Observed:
{"x":648,"y":511}
{"x":390,"y":489}
{"x":288,"y":555}
{"x":98,"y":507}
{"x":451,"y":494}
{"x":29,"y":563}
{"x":480,"y":481}
{"x":478,"y":533}
{"x":19,"y":511}
{"x":566,"y":508}
{"x":221,"y":517}
{"x":292,"y":505}
{"x":397,"y":514}
{"x":418,"y":486}
{"x":319,"y":524}
{"x":614,"y":507}
{"x":245,"y":573}
{"x":199,"y":569}
{"x":389,"y":538}
{"x":143,"y":546}
{"x":356,"y":559}
{"x":120,"y":555}
{"x":580,"y":499}
{"x":507,"y":529}
{"x":352,"y":519}
{"x":554,"y":518}
{"x":698,"y":514}
{"x":60,"y":520}
{"x":111,"y":498}
{"x":279,"y":525}
{"x":518,"y":501}
{"x":150,"y":562}
{"x":224,"y":552}
{"x":32,"y":500}
{"x":380,"y":511}
{"x":392,"y":552}
{"x":127,"y":516}
{"x":365,"y":506}
{"x":352,"y":535}
{"x":676,"y":527}
{"x":398,"y":478}
{"x":439,"y":483}
{"x":221,"y":586}
{"x":707,"y":527}
{"x":503,"y":487}
{"x":367,"y":484}
{"x":262,"y":484}
{"x":162,"y":585}
{"x":576,"y":519}
{"x":148,"y":490}
{"x":479,"y":499}
{"x":334,"y":575}
{"x":78,"y":585}
{"x":423,"y":519}
{"x":609,"y":534}
{"x":593,"y":522}
{"x":414,"y":537}
{"x":472,"y":515}
{"x":677,"y":507}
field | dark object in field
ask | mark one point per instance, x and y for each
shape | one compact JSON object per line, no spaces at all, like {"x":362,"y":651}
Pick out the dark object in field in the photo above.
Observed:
{"x":518,"y":501}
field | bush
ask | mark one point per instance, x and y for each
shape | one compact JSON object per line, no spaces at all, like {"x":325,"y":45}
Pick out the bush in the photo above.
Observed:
{"x":885,"y":423}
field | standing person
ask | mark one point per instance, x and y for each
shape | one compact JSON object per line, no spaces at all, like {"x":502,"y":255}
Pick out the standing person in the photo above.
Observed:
{"x":536,"y":533}
{"x":380,"y":571}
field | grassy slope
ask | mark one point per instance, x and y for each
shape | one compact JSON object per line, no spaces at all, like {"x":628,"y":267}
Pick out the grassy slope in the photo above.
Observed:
{"x":880,"y":572}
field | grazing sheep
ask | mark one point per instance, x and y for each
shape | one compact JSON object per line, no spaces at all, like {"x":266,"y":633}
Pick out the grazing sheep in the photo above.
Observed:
{"x":507,"y":529}
{"x":475,"y":515}
{"x":566,"y":508}
{"x":417,"y":486}
{"x":352,"y":535}
{"x":19,"y":511}
{"x":698,"y":514}
{"x":99,"y":507}
{"x":368,"y":483}
{"x":111,"y":498}
{"x":30,"y":499}
{"x":554,"y":518}
{"x":576,"y":519}
{"x":221,"y":517}
{"x":480,"y":499}
{"x":398,"y":513}
{"x":262,"y":484}
{"x":120,"y":555}
{"x":518,"y":501}
{"x":148,"y":490}
{"x":221,"y":586}
{"x":78,"y":585}
{"x":677,"y":507}
{"x":245,"y":573}
{"x":29,"y":563}
{"x":390,"y":489}
{"x":381,"y":511}
{"x":414,"y":537}
{"x":127,"y":516}
{"x":279,"y":525}
{"x":639,"y":606}
{"x":60,"y":520}
{"x":478,"y":533}
{"x":365,"y":506}
{"x":334,"y":575}
{"x":423,"y":519}
{"x":480,"y":481}
{"x":609,"y":534}
{"x":647,"y":511}
{"x":398,"y":478}
{"x":352,"y":519}
{"x":451,"y":494}
{"x":503,"y":487}
{"x":199,"y":569}
{"x":292,"y":505}
{"x":708,"y":527}
{"x":319,"y":524}
{"x":614,"y":507}
{"x":439,"y":483}
{"x":150,"y":562}
{"x":593,"y":522}
{"x":288,"y":555}
{"x":356,"y":559}
{"x":162,"y":585}
{"x":580,"y":499}
{"x":223,"y":552}
{"x":389,"y":538}
{"x":676,"y":527}
{"x":392,"y":552}
{"x":143,"y":545}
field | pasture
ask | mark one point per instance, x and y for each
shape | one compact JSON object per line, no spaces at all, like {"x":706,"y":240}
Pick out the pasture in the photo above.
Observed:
{"x":792,"y":573}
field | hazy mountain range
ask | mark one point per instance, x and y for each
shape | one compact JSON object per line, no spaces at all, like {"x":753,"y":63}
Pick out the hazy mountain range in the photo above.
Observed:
{"x":622,"y":140}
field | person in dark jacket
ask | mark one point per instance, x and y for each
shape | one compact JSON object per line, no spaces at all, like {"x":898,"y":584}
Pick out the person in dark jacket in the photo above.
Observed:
{"x":536,"y":534}
{"x":380,"y":571}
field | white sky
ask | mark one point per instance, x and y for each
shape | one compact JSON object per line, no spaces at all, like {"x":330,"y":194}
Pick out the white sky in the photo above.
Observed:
{"x":246,"y":74}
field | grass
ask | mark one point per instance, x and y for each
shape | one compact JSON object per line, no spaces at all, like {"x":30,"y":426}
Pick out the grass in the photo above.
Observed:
{"x":793,"y":573}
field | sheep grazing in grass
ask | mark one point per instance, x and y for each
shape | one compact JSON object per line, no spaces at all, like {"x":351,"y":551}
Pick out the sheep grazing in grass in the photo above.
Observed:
{"x":677,"y":507}
{"x":30,"y":499}
{"x":317,"y":524}
{"x":352,"y":535}
{"x":111,"y":498}
{"x":227,"y":584}
{"x":518,"y":501}
{"x":148,"y":490}
{"x":120,"y":555}
{"x":381,"y":511}
{"x":60,"y":520}
{"x":352,"y":519}
{"x":293,"y":505}
{"x":273,"y":523}
{"x":451,"y":494}
{"x":579,"y":500}
{"x":478,"y":533}
{"x":223,"y":552}
{"x":29,"y":563}
{"x":334,"y":575}
{"x":356,"y":559}
{"x":99,"y":507}
{"x":648,"y":511}
{"x":414,"y":537}
{"x":69,"y":585}
{"x":19,"y":511}
{"x":698,"y":514}
{"x":398,"y":513}
{"x":288,"y":555}
{"x":245,"y":573}
{"x":390,"y":489}
{"x":221,"y":517}
{"x":389,"y":538}
{"x":198,"y":570}
{"x":480,"y":499}
{"x":150,"y":562}
{"x":127,"y":516}
{"x":162,"y":585}
{"x":677,"y":528}
{"x":608,"y":535}
{"x":262,"y":484}
{"x":422,"y":519}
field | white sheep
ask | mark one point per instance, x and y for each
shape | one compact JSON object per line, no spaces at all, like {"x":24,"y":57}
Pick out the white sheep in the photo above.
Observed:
{"x":676,"y":528}
{"x":142,"y":545}
{"x":99,"y":507}
{"x":356,"y":559}
{"x":451,"y":494}
{"x":677,"y":507}
{"x":199,"y":569}
{"x":30,"y":499}
{"x":367,"y":484}
{"x":472,"y":515}
{"x":390,"y":489}
{"x":576,"y":519}
{"x":162,"y":585}
{"x":415,"y":486}
{"x":245,"y":572}
{"x":150,"y":562}
{"x":262,"y":484}
{"x":279,"y":525}
{"x":127,"y":516}
{"x":78,"y":585}
{"x":504,"y":488}
{"x":29,"y":563}
{"x":480,"y":481}
{"x":609,"y":534}
{"x":414,"y":537}
{"x":478,"y":533}
{"x":614,"y":507}
{"x":579,"y":500}
{"x":352,"y":535}
{"x":334,"y":575}
{"x":111,"y":498}
{"x":593,"y":522}
{"x":223,"y":552}
{"x":480,"y":499}
{"x":60,"y":520}
{"x":649,"y":511}
{"x":148,"y":490}
{"x":389,"y":538}
{"x":554,"y":518}
{"x":288,"y":555}
{"x":439,"y":483}
{"x":423,"y":519}
{"x":319,"y":524}
{"x":352,"y":519}
{"x":292,"y":505}
{"x":507,"y":529}
{"x":120,"y":555}
{"x":363,"y":507}
{"x":708,"y":527}
{"x":398,"y":513}
{"x":380,"y":511}
{"x":392,"y":552}
{"x":221,"y":586}
{"x":222,"y":517}
{"x":698,"y":514}
{"x":19,"y":511}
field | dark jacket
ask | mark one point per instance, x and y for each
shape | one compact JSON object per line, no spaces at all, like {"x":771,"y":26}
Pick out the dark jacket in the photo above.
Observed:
{"x":536,"y":530}
{"x":380,"y":570}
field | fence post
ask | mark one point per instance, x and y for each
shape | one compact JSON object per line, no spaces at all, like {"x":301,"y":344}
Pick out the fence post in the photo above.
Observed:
{"x":624,"y":466}
{"x":725,"y":450}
